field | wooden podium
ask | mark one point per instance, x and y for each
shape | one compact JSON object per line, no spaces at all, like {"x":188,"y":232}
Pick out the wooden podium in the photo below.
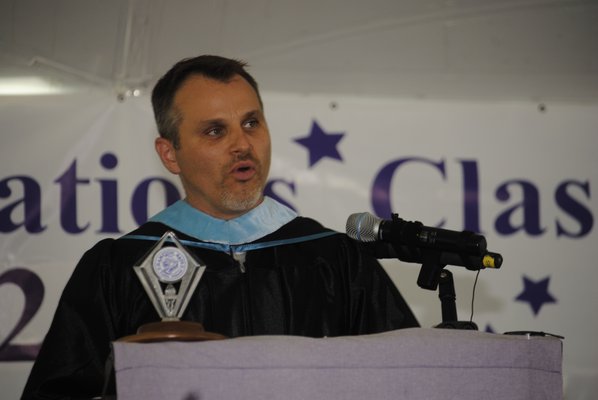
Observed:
{"x":407,"y":364}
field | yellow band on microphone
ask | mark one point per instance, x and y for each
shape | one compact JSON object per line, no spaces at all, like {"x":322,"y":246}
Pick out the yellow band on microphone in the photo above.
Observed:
{"x":488,"y":261}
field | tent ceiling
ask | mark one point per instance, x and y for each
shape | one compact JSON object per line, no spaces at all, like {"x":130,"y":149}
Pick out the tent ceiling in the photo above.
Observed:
{"x":473,"y":49}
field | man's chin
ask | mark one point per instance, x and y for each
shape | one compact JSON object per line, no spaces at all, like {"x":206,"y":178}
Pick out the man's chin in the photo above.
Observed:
{"x":242,"y":204}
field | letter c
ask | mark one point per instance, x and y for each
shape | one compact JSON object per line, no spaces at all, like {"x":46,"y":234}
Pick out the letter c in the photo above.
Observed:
{"x":381,"y":201}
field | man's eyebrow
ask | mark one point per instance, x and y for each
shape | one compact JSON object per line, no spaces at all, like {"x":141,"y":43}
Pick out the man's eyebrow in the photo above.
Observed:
{"x":208,"y":123}
{"x":254,"y":114}
{"x":211,"y":122}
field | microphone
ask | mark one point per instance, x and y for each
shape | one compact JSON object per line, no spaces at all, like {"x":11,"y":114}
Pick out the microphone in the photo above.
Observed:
{"x":414,"y":242}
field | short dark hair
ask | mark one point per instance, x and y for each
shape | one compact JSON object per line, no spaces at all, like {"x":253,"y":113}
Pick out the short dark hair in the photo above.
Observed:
{"x":214,"y":67}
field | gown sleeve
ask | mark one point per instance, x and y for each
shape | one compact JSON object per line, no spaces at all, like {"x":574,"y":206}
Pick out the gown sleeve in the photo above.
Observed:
{"x":376,"y":303}
{"x":72,"y":360}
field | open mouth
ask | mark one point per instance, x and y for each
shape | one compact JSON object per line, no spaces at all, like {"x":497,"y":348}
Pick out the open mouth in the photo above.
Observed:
{"x":243,"y":171}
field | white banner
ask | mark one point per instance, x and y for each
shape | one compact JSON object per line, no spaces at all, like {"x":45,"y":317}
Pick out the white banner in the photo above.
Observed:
{"x":79,"y":168}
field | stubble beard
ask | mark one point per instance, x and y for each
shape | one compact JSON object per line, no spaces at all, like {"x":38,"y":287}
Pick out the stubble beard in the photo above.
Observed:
{"x":244,"y":200}
{"x":248,"y":196}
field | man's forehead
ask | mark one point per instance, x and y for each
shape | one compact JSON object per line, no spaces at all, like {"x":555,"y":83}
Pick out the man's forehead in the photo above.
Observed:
{"x":200,"y":87}
{"x":207,"y":99}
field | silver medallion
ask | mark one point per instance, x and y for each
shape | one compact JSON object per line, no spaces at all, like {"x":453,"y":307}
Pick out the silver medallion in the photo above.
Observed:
{"x":170,"y":264}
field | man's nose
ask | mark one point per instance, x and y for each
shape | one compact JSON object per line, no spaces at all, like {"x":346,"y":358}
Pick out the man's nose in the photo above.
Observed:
{"x":240,"y":141}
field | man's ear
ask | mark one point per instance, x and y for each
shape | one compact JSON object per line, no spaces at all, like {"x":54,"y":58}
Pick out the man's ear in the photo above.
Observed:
{"x":167,"y":154}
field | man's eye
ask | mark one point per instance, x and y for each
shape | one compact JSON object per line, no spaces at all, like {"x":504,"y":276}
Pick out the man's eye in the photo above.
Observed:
{"x":215,"y":131}
{"x":252,"y":123}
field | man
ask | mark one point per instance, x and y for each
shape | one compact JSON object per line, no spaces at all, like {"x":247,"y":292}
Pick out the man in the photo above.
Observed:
{"x":268,"y":270}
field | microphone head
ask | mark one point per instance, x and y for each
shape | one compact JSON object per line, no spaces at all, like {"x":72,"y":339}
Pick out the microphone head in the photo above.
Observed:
{"x":364,"y":227}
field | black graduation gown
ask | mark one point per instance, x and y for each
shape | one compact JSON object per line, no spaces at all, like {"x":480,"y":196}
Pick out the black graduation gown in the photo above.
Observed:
{"x":313,"y":287}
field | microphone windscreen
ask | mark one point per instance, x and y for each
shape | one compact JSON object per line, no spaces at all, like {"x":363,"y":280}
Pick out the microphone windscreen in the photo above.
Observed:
{"x":364,"y":227}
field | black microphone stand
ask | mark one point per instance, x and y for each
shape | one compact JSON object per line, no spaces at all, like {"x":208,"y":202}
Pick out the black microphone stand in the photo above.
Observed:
{"x":446,"y":294}
{"x":432,"y":275}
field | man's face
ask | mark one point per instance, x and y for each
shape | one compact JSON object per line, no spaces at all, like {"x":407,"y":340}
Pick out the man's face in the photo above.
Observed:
{"x":224,"y":154}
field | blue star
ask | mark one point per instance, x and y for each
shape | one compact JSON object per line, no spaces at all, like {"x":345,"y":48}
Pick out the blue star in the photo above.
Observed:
{"x":536,"y":294}
{"x":320,"y":144}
